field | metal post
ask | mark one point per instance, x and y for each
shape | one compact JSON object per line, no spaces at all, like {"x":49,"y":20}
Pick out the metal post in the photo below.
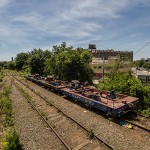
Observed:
{"x":103,"y":69}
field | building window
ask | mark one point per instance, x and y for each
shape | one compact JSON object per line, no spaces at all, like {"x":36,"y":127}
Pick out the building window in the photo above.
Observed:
{"x":142,"y":77}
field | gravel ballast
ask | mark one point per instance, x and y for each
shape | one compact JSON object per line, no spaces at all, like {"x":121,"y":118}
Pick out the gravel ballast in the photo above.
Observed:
{"x":34,"y":134}
{"x":115,"y":135}
{"x":71,"y":133}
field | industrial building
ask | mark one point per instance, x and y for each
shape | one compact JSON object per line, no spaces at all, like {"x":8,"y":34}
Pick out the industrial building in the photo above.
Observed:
{"x":106,"y":54}
{"x":102,"y":57}
{"x":143,"y":75}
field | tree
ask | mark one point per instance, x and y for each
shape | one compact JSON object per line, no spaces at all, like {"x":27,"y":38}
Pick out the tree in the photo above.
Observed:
{"x":123,"y":83}
{"x":10,"y":65}
{"x":37,"y":60}
{"x":21,"y":60}
{"x":68,"y":64}
{"x":142,"y":63}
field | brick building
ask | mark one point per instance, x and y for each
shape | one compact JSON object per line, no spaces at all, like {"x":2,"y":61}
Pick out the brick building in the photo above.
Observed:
{"x":123,"y":55}
{"x":102,"y":57}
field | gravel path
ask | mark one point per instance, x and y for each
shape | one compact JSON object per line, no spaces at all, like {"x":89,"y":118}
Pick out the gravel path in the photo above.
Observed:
{"x":115,"y":135}
{"x":34,"y":134}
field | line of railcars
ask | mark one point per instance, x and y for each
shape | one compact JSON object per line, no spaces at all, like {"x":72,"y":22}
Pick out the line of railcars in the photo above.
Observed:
{"x":109,"y":102}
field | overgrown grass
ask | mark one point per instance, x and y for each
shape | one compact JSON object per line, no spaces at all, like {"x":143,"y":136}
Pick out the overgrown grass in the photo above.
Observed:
{"x":25,"y":94}
{"x":48,"y":103}
{"x":11,"y":139}
{"x":90,"y":133}
{"x":143,"y":108}
{"x":6,"y":107}
{"x":1,"y":76}
{"x":145,"y":112}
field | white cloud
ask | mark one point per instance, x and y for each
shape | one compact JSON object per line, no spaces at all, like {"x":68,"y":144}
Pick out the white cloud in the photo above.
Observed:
{"x":54,"y":27}
{"x":4,"y":3}
{"x":95,"y":8}
{"x":30,"y":24}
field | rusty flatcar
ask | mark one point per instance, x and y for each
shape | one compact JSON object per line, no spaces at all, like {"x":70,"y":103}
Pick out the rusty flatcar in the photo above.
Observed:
{"x":109,"y":102}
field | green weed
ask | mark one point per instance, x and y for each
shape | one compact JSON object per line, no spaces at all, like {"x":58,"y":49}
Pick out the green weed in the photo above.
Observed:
{"x":90,"y":133}
{"x":11,"y":141}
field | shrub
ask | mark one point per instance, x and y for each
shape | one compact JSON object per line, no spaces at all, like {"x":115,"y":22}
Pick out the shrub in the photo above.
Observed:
{"x":146,"y":112}
{"x":11,"y":141}
{"x":6,"y":91}
{"x":90,"y":133}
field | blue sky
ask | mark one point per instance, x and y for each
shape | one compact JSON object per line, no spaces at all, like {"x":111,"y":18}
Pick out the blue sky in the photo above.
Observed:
{"x":110,"y":24}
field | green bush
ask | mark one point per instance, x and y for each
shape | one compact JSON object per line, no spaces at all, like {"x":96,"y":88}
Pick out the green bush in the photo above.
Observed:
{"x":11,"y":141}
{"x":146,"y":112}
{"x":127,"y":84}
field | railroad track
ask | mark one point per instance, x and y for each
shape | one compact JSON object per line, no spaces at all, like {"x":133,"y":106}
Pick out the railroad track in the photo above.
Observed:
{"x":138,"y":125}
{"x":43,"y":118}
{"x":106,"y":145}
{"x":142,"y":115}
{"x":125,"y":120}
{"x":133,"y":120}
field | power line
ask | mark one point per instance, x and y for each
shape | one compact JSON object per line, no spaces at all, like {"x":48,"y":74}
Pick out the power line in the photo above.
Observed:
{"x":142,"y":48}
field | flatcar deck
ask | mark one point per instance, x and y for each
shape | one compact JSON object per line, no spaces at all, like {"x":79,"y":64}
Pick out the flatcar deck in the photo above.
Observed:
{"x":109,"y":102}
{"x":116,"y":103}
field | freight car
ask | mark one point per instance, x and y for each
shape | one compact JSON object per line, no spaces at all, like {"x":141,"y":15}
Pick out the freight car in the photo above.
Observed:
{"x":109,"y":102}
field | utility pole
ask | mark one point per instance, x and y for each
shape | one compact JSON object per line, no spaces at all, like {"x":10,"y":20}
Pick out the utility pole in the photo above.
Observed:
{"x":103,"y":69}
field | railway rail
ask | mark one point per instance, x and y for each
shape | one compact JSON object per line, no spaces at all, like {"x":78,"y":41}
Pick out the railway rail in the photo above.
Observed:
{"x":147,"y":117}
{"x":34,"y":107}
{"x":125,"y":120}
{"x":106,"y":145}
{"x":138,"y":125}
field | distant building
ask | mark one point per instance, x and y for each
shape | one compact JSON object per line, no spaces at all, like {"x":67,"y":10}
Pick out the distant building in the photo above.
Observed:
{"x":147,"y":60}
{"x":143,"y":59}
{"x":102,"y":57}
{"x":143,"y":75}
{"x":123,"y":55}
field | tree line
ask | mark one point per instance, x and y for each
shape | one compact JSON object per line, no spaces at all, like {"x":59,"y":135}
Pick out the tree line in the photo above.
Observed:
{"x":142,"y":64}
{"x":62,"y":62}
